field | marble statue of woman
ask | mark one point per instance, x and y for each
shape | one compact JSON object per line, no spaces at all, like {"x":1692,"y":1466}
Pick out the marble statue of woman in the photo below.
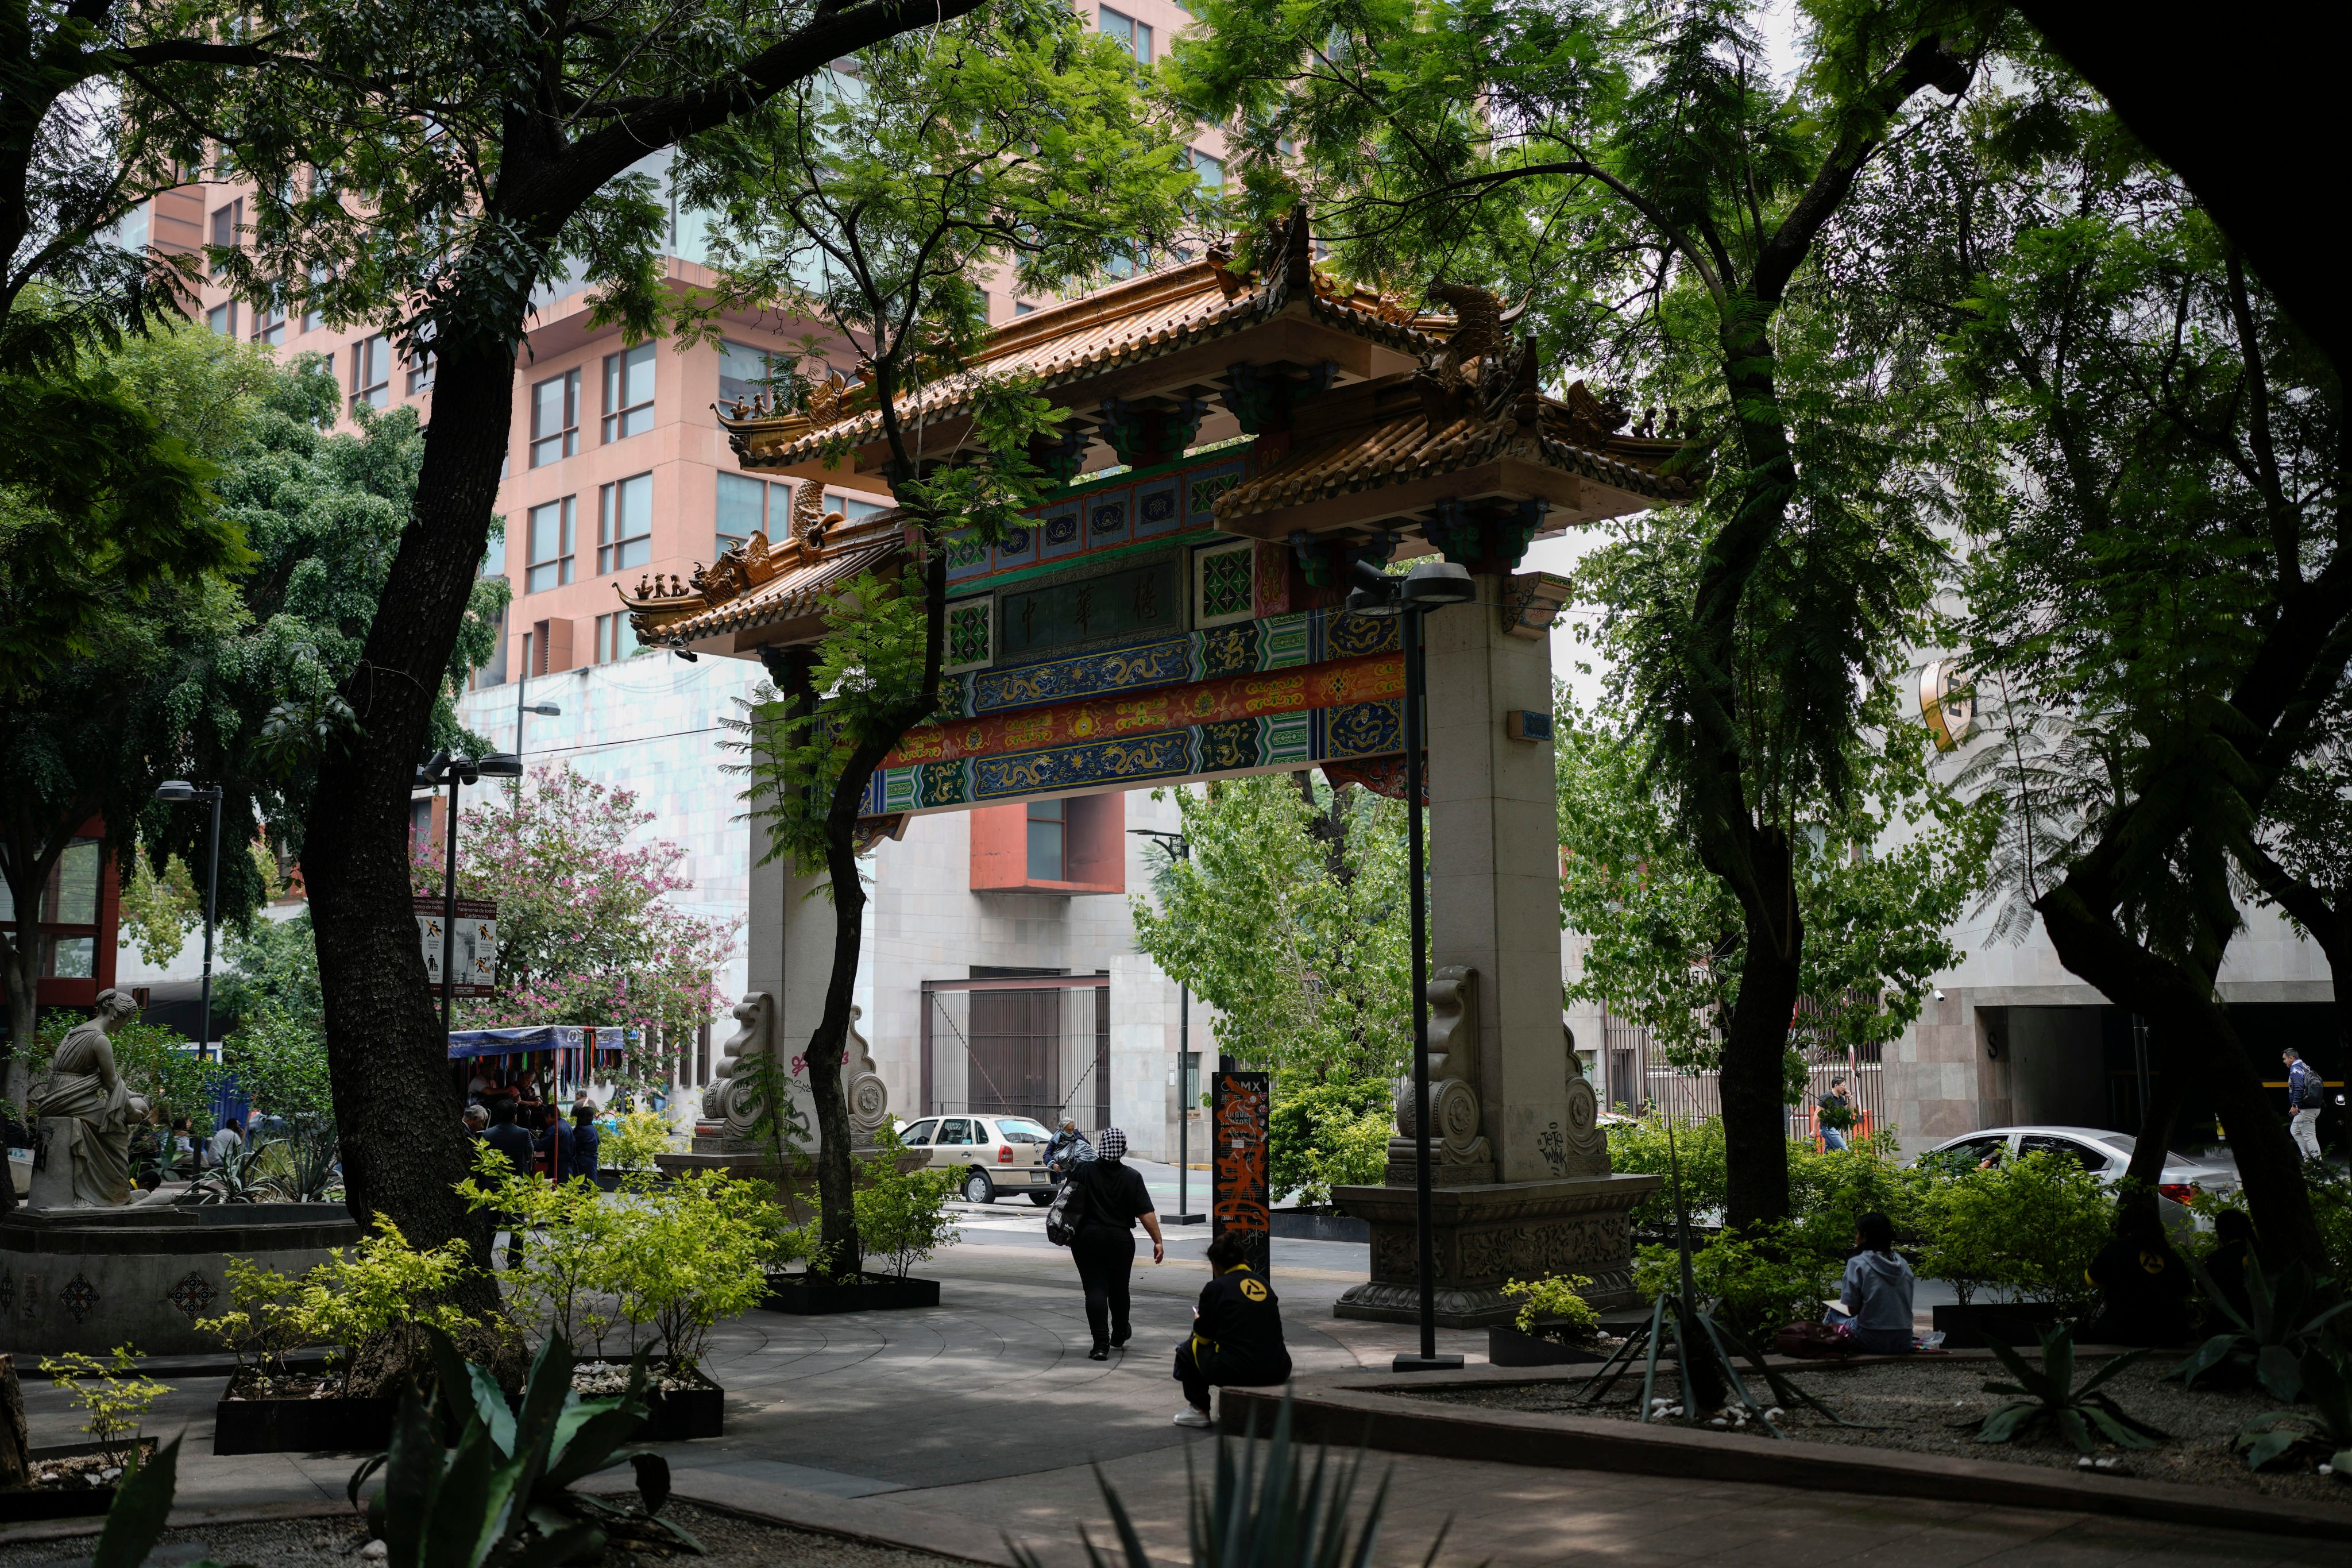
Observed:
{"x":85,"y":1108}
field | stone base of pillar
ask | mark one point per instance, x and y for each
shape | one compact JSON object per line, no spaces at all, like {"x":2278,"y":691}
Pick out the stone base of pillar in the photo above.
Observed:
{"x":1488,"y":1235}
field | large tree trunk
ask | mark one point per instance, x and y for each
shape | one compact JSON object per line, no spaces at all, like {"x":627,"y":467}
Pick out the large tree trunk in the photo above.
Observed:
{"x":1756,"y":1046}
{"x":404,"y":1148}
{"x":2199,"y":1037}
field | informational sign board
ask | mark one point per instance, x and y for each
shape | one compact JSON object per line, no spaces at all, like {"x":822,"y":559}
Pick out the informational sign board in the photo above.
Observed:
{"x":475,"y":953}
{"x":1244,"y":1104}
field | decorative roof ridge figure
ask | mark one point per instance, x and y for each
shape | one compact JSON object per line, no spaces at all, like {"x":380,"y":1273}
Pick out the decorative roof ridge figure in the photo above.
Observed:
{"x":1449,"y":380}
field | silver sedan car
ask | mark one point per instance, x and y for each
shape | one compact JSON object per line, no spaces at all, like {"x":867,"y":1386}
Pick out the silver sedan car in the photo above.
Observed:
{"x":2105,"y":1154}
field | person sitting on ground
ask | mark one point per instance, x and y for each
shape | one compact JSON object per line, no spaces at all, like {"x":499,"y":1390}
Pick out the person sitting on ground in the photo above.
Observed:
{"x":2226,"y":1265}
{"x":2144,"y":1287}
{"x":1236,"y":1332}
{"x":584,"y":1139}
{"x":1876,"y":1291}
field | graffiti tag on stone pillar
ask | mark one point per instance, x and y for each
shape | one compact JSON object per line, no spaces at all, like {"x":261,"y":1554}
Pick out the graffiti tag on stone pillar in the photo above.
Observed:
{"x":1243,"y":1102}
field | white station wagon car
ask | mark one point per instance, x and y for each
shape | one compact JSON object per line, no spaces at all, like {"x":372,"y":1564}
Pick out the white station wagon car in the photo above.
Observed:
{"x":2105,"y":1154}
{"x":993,"y":1154}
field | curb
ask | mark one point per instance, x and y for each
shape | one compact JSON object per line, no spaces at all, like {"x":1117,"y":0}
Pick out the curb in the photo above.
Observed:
{"x":182,"y":1519}
{"x":1366,"y":1410}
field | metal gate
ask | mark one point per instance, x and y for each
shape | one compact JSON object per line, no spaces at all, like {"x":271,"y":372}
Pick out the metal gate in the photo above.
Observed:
{"x":1637,"y":1079}
{"x":1025,"y":1045}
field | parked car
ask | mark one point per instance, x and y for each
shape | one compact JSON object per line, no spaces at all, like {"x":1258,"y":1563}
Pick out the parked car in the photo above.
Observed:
{"x":2107,"y":1156}
{"x":994,"y":1154}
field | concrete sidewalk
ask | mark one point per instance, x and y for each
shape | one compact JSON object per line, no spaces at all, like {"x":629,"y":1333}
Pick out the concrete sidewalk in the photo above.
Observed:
{"x":985,"y":1416}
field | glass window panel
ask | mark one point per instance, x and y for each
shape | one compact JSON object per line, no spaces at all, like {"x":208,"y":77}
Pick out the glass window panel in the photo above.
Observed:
{"x":555,"y":418}
{"x":742,"y":372}
{"x":222,"y":319}
{"x":69,"y":957}
{"x":741,"y":509}
{"x":1046,"y":831}
{"x":852,"y":509}
{"x":73,"y":886}
{"x":624,"y":524}
{"x":629,"y":393}
{"x":551,"y":535}
{"x":920,"y":1132}
{"x":1209,"y":171}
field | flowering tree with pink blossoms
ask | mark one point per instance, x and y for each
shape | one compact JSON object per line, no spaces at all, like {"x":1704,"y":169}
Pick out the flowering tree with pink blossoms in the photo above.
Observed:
{"x":587,"y":933}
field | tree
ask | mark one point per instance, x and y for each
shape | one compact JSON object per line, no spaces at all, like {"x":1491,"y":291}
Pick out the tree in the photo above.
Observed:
{"x":1299,"y":945}
{"x":1285,"y":915}
{"x":433,"y":176}
{"x":2159,"y":604}
{"x":226,"y":677}
{"x":1879,"y":886}
{"x":587,"y":933}
{"x":1635,"y":174}
{"x":874,"y":201}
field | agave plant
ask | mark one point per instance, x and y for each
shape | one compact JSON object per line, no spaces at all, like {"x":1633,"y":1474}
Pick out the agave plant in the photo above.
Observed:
{"x":2288,"y":1315}
{"x":501,"y":1496}
{"x":2046,"y":1396}
{"x":240,"y":1178}
{"x":309,"y":1169}
{"x":2323,"y":1431}
{"x":1282,"y":1514}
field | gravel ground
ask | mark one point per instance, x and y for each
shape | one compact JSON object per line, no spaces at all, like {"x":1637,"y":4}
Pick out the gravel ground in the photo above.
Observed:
{"x":1919,"y":1406}
{"x":733,"y":1542}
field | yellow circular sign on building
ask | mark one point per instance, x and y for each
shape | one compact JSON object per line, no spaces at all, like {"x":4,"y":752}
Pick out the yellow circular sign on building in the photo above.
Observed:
{"x":1254,"y":1289}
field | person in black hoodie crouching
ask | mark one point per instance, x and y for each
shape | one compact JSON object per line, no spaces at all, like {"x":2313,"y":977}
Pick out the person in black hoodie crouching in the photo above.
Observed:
{"x":1236,"y":1332}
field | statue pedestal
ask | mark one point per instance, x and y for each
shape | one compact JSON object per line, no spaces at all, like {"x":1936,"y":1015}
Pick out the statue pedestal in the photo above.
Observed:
{"x":53,"y":1186}
{"x":1490,"y":1234}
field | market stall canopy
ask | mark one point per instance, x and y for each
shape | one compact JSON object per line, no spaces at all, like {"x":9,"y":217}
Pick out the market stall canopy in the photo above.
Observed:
{"x":463,"y":1043}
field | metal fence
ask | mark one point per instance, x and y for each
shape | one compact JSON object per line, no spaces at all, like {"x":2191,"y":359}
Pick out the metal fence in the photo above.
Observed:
{"x":1637,"y":1079}
{"x":1030,"y":1045}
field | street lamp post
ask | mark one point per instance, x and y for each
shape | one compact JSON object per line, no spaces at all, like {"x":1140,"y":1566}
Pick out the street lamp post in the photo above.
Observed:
{"x":1431,"y":586}
{"x":544,"y":709}
{"x":175,"y":792}
{"x":1182,"y":848}
{"x":444,"y":768}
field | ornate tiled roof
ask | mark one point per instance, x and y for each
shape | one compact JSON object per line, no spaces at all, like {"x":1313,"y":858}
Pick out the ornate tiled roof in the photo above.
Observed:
{"x":1384,"y":432}
{"x":1139,"y":319}
{"x":791,"y":581}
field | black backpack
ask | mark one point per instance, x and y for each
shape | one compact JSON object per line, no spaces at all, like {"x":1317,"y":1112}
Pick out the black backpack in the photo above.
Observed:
{"x":1068,"y":1209}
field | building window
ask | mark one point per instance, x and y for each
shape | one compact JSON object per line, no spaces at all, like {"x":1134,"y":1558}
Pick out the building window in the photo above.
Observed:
{"x":1022,"y":307}
{"x":615,"y":638}
{"x":372,"y":372}
{"x":420,"y":376}
{"x":850,"y":509}
{"x":552,"y":529}
{"x":69,"y":900}
{"x":1209,"y":171}
{"x":314,"y":318}
{"x":222,"y":319}
{"x":743,"y":372}
{"x":226,"y":221}
{"x":1047,"y":830}
{"x":748,"y":506}
{"x":629,"y":393}
{"x":555,"y":418}
{"x":970,"y":634}
{"x":269,"y":324}
{"x":1133,"y":35}
{"x":624,"y":524}
{"x":420,"y":823}
{"x":1221,"y":583}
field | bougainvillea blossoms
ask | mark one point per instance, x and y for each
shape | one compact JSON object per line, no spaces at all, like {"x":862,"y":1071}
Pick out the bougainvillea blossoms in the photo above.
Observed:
{"x":587,"y":934}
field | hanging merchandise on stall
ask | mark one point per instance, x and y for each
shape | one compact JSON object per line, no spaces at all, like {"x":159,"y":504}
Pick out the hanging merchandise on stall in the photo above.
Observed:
{"x":474,"y":952}
{"x":1243,"y":1103}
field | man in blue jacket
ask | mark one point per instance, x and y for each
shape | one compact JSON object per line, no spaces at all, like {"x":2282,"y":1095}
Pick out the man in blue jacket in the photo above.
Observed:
{"x":2304,"y":1092}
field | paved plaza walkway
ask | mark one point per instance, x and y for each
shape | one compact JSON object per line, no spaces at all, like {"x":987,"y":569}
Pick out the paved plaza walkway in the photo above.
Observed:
{"x":957,"y":1426}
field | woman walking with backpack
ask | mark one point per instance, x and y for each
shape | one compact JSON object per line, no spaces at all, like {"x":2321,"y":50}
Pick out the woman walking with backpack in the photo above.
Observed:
{"x":1094,"y":1216}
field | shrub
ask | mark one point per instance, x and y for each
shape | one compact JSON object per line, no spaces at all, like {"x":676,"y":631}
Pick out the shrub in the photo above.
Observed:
{"x":1762,"y":1280}
{"x":560,"y":1291}
{"x":632,"y":1142}
{"x":1829,"y":1190}
{"x":374,"y":1303}
{"x":1331,"y":1135}
{"x":264,"y":1321}
{"x":902,"y":1216}
{"x":1639,"y":1147}
{"x":2029,"y":1227}
{"x":115,"y":1403}
{"x":1555,"y":1308}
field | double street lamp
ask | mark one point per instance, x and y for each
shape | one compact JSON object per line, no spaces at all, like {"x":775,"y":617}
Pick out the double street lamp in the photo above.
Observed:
{"x":179,"y":791}
{"x":440,"y":769}
{"x":1431,"y":586}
